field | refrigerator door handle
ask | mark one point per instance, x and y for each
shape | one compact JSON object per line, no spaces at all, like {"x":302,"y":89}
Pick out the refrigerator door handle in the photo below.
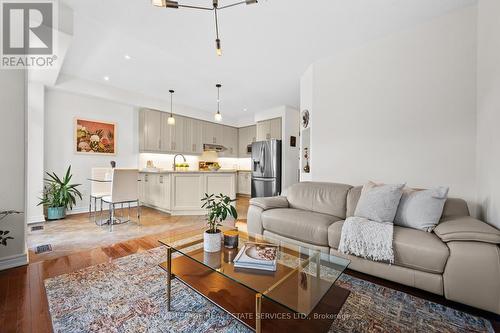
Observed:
{"x":265,"y":179}
{"x":262,"y":159}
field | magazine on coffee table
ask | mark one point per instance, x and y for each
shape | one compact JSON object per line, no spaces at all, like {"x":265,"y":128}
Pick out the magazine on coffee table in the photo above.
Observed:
{"x":261,"y":256}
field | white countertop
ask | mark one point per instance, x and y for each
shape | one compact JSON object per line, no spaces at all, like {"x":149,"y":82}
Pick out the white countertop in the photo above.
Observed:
{"x":161,"y":171}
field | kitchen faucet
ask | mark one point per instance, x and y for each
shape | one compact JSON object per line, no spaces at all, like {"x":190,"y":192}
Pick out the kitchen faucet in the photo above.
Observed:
{"x":175,"y":157}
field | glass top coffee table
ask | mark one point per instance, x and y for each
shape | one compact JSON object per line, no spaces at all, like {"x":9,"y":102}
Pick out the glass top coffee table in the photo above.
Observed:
{"x":300,"y":294}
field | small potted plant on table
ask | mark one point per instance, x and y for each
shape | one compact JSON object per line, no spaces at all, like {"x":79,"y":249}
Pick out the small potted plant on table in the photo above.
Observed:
{"x":59,"y":194}
{"x":219,"y":209}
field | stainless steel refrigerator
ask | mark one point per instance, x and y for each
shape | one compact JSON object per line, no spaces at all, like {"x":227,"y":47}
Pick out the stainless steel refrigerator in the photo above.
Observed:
{"x":266,"y":168}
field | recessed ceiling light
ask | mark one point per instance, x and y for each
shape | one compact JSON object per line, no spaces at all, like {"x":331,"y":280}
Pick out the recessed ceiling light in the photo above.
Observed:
{"x":127,"y":57}
{"x":106,"y":78}
{"x":245,"y":109}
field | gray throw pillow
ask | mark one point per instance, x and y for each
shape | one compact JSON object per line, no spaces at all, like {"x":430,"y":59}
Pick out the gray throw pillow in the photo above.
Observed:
{"x":379,"y":202}
{"x":421,"y":209}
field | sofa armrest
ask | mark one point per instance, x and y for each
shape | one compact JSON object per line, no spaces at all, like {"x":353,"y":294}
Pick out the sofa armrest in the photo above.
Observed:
{"x":269,"y":202}
{"x":466,"y":228}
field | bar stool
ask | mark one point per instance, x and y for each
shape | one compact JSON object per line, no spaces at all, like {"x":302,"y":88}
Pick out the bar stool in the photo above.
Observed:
{"x":99,"y":189}
{"x":124,"y":190}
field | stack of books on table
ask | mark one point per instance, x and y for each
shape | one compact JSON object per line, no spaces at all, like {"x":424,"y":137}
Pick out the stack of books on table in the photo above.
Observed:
{"x":257,"y":256}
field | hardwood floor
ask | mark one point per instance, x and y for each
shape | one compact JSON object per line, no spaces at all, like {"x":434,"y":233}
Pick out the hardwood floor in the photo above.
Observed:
{"x":23,"y":302}
{"x":78,"y":233}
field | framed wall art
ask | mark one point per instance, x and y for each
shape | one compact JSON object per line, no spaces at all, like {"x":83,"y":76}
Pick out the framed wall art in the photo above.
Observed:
{"x":95,"y":137}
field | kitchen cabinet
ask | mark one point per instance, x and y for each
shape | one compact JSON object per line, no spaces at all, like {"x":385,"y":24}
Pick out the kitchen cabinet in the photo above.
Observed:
{"x":188,"y":135}
{"x":246,"y":136}
{"x":230,"y":141}
{"x":155,"y":190}
{"x":150,"y":130}
{"x":269,"y":129}
{"x":221,"y":183}
{"x":187,"y":191}
{"x":172,"y":137}
{"x":180,"y":193}
{"x":212,"y":133}
{"x":244,"y":182}
{"x":193,"y":136}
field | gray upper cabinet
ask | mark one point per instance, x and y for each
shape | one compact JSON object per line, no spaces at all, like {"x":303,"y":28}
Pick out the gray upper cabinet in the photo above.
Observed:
{"x":269,"y":129}
{"x":150,"y":130}
{"x":193,"y":136}
{"x":172,"y":135}
{"x":246,"y":136}
{"x":212,"y":133}
{"x":230,"y":141}
{"x":188,"y":135}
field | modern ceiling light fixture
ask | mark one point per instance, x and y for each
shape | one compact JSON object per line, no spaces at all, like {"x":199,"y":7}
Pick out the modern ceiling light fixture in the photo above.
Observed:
{"x":215,"y":7}
{"x":218,"y":116}
{"x":171,"y":119}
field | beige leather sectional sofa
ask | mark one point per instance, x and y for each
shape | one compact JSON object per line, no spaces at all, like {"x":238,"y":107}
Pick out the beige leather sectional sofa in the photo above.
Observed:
{"x":460,"y":259}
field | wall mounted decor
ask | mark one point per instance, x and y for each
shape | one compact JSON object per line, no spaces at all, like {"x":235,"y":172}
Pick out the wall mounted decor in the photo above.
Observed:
{"x":305,"y":118}
{"x":94,"y":137}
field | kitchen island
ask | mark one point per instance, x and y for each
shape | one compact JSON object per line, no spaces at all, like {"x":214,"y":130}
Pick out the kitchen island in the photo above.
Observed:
{"x":180,"y":192}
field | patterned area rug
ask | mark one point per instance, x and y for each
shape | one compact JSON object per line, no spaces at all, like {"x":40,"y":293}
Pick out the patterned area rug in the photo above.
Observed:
{"x":127,"y":295}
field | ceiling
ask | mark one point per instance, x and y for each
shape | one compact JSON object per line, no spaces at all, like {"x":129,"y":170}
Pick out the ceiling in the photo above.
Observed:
{"x":266,"y":46}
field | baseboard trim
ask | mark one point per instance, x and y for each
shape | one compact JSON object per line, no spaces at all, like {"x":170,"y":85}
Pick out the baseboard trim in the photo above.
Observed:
{"x":35,"y":219}
{"x":14,"y":261}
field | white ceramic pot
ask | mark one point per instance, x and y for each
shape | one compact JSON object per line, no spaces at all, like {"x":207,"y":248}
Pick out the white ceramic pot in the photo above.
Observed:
{"x":212,"y":242}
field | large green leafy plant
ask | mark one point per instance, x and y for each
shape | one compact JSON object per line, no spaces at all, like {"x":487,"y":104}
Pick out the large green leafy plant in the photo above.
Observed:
{"x":58,"y":192}
{"x":219,"y":208}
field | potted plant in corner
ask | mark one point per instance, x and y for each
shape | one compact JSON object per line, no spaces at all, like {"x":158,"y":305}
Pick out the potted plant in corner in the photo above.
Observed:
{"x":59,"y":195}
{"x":219,"y":208}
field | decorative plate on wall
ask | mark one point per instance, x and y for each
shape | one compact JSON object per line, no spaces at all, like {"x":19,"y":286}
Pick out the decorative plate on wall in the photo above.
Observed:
{"x":305,"y":118}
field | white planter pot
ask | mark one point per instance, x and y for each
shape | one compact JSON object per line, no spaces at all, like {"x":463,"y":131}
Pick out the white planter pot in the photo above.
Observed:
{"x":212,"y":242}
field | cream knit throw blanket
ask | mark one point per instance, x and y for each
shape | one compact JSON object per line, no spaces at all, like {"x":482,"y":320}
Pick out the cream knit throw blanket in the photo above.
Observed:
{"x":367,"y":239}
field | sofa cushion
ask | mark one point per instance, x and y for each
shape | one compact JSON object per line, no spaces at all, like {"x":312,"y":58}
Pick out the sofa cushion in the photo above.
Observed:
{"x":466,"y":228}
{"x":269,"y":202}
{"x":455,"y":207}
{"x":452,"y":206}
{"x":325,"y":198}
{"x":421,"y":209}
{"x":305,"y":226}
{"x":415,"y":249}
{"x":334,"y":232}
{"x":379,"y":202}
{"x":352,"y":200}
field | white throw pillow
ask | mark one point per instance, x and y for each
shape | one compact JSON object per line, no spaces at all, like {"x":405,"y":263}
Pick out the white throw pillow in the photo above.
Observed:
{"x":421,"y":209}
{"x":379,"y":202}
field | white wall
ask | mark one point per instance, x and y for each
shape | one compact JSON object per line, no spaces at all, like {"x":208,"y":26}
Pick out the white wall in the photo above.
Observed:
{"x":400,"y":109}
{"x":61,"y":108}
{"x":488,"y":111}
{"x":12,"y":171}
{"x":35,"y":151}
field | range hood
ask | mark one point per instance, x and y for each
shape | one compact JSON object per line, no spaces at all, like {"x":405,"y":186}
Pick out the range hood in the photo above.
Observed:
{"x":215,"y":148}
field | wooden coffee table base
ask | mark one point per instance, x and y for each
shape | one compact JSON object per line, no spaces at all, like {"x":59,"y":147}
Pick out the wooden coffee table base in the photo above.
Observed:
{"x":243,"y":303}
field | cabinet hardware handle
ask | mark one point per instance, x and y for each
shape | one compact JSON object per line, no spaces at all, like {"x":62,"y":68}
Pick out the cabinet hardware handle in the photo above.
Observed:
{"x":146,"y":178}
{"x":161,"y":179}
{"x":159,"y":143}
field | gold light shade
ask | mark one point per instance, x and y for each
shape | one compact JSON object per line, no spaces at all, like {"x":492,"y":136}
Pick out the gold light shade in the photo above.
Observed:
{"x":171,"y":120}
